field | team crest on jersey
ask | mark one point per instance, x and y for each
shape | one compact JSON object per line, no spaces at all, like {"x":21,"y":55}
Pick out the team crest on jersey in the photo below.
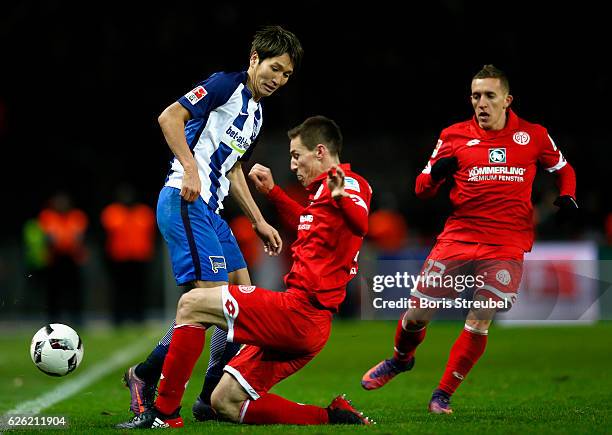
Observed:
{"x":217,"y":262}
{"x":497,"y":155}
{"x":246,"y":289}
{"x":521,"y":137}
{"x":196,"y":95}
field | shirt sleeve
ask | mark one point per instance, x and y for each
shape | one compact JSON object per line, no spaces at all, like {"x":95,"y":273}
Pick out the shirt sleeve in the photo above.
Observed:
{"x":426,"y":187}
{"x":356,"y":207}
{"x":551,"y":157}
{"x":207,"y":95}
{"x":288,"y":209}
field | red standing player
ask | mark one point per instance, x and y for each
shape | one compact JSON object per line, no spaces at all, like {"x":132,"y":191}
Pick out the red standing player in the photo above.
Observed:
{"x":492,"y":158}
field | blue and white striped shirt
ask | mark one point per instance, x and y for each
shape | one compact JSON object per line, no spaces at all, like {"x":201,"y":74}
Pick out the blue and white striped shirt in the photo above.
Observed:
{"x":225,"y":121}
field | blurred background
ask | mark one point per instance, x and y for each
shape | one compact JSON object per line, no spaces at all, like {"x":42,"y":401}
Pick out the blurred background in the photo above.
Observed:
{"x":82,"y":86}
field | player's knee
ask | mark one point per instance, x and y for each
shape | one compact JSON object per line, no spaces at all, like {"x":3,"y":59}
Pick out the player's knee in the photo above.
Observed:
{"x":186,"y":308}
{"x":478,"y":324}
{"x":226,"y":408}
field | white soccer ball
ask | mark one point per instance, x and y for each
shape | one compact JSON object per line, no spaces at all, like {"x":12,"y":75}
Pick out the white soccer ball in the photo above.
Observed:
{"x":56,"y":349}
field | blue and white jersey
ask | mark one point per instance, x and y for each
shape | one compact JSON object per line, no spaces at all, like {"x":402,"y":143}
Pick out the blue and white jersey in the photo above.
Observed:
{"x":225,"y":121}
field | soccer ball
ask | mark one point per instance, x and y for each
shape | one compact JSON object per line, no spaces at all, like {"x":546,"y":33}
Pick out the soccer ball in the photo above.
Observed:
{"x":56,"y":349}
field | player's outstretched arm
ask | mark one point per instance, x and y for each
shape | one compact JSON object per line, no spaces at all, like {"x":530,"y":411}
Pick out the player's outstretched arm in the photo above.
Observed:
{"x":239,"y":190}
{"x":172,"y":122}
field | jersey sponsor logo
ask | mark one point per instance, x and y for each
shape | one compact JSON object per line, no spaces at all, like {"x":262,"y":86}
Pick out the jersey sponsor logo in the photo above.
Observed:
{"x":473,"y":142}
{"x":305,"y":221}
{"x":521,"y":137}
{"x":217,"y":262}
{"x":351,"y":184}
{"x":237,"y":142}
{"x":496,"y":173}
{"x":503,"y":277}
{"x":196,"y":95}
{"x":497,"y":155}
{"x":246,"y":289}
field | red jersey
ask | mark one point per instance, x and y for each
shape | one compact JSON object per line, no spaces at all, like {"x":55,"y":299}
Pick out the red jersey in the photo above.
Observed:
{"x":491,"y":197}
{"x":329,"y":236}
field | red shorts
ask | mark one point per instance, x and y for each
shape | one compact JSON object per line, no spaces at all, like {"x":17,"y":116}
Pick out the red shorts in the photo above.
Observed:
{"x":282,"y":332}
{"x":494,"y":271}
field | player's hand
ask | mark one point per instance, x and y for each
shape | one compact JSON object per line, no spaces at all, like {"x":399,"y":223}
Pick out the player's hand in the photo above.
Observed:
{"x":273,"y":244}
{"x":444,"y":167}
{"x":335,"y":182}
{"x":262,"y":178}
{"x":568,"y":210}
{"x":190,"y":189}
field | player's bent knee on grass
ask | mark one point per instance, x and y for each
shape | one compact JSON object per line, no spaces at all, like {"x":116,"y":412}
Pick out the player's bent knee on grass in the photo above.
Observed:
{"x":227,"y":398}
{"x":201,"y":306}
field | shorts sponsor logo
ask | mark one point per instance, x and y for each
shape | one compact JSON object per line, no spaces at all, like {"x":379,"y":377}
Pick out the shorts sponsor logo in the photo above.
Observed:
{"x":497,"y":155}
{"x":217,"y":262}
{"x":503,"y":277}
{"x":521,"y":137}
{"x":230,"y":308}
{"x":246,"y":289}
{"x":196,"y":95}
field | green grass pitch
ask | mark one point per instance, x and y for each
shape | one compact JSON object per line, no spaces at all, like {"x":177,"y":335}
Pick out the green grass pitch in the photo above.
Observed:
{"x":530,"y":380}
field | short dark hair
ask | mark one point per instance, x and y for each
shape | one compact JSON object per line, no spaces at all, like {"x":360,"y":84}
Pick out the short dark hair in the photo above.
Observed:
{"x":492,"y":72}
{"x":319,"y":130}
{"x":272,"y":41}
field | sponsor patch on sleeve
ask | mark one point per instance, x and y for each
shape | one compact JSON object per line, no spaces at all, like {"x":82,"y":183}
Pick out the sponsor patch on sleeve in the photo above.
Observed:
{"x":351,"y":184}
{"x":196,"y":95}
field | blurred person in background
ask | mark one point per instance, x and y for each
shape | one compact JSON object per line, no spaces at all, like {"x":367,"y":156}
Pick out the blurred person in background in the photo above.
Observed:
{"x":64,"y":227}
{"x":211,"y":131}
{"x":130,"y":245}
{"x":492,"y":160}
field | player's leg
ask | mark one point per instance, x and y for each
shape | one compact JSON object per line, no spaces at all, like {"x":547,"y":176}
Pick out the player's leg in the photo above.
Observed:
{"x":464,"y":354}
{"x":220,"y":350}
{"x":444,"y":259}
{"x":197,"y":309}
{"x":410,"y":332}
{"x":242,"y":395}
{"x":501,"y":278}
{"x":197,"y":260}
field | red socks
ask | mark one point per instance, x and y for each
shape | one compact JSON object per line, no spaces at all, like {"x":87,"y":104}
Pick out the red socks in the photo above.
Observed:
{"x":273,"y":409}
{"x":185,"y":349}
{"x":466,"y":351}
{"x":406,"y":341}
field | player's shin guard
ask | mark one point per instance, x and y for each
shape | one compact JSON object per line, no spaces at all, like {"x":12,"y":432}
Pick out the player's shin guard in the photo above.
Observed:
{"x":150,"y":369}
{"x":407,"y":339}
{"x":273,"y":409}
{"x":185,"y":349}
{"x":220,"y":353}
{"x":466,"y":351}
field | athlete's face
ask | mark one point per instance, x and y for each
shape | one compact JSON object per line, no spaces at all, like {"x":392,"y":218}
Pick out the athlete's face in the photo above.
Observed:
{"x":490,"y":101}
{"x":304,"y":162}
{"x":266,"y":76}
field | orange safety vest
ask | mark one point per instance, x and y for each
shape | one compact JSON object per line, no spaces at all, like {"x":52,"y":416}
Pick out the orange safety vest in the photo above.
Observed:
{"x":130,"y":232}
